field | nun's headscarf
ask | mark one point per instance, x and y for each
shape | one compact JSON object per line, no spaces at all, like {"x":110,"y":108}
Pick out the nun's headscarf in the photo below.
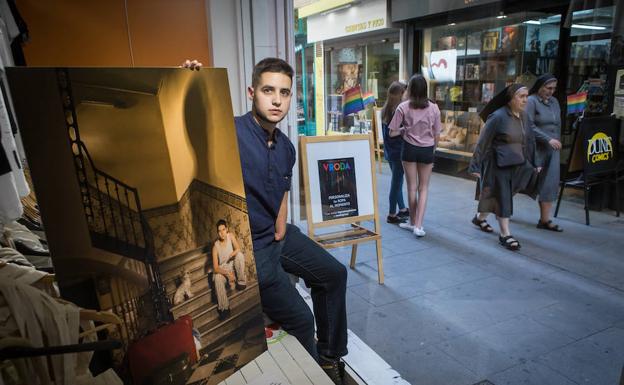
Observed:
{"x":501,"y":99}
{"x":546,"y":78}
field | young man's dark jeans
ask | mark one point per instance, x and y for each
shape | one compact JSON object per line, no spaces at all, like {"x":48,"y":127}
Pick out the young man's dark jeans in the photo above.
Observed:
{"x":396,"y":186}
{"x":299,"y":255}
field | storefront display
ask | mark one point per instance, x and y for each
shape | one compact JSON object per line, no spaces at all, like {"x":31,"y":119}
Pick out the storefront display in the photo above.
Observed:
{"x":494,"y":43}
{"x":353,"y":47}
{"x":371,"y":67}
{"x":468,"y":63}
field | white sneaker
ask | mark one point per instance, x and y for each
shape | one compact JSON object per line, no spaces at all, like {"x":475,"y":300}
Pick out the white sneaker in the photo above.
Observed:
{"x":419,"y":232}
{"x":406,"y":226}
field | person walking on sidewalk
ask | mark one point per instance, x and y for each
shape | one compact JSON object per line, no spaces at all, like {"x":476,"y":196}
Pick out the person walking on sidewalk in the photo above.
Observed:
{"x":392,"y":153}
{"x":417,"y":120}
{"x":503,"y":160}
{"x":267,"y":159}
{"x":544,"y":116}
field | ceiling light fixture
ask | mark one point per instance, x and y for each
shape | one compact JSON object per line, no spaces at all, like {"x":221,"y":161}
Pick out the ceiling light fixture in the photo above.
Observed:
{"x":536,"y":22}
{"x":592,"y":27}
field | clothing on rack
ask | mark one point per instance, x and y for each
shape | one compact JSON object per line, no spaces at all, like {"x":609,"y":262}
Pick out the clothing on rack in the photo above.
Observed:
{"x":45,"y":322}
{"x":13,"y":185}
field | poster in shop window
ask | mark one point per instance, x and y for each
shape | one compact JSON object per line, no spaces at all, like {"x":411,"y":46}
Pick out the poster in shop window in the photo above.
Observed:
{"x":338,"y":188}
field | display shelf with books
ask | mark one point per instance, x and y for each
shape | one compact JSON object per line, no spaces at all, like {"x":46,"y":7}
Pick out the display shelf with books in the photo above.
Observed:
{"x":488,"y":57}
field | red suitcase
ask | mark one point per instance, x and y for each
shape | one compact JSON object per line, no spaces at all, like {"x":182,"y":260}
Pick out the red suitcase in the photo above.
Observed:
{"x":158,"y":348}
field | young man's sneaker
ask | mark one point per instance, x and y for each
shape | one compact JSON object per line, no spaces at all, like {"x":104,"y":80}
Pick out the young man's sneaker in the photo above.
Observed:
{"x":334,"y":368}
{"x":394,"y":219}
{"x":406,"y":226}
{"x":403,"y":214}
{"x":419,"y":232}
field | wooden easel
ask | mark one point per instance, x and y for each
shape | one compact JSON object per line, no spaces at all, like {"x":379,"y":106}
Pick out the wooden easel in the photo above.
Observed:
{"x":378,"y":135}
{"x":357,"y":233}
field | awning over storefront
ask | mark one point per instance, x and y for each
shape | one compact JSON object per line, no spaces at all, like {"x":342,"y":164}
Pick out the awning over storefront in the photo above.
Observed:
{"x":410,"y":9}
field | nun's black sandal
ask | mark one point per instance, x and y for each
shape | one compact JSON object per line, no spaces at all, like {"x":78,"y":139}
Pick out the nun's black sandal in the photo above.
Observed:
{"x":482,"y":224}
{"x":509,"y":242}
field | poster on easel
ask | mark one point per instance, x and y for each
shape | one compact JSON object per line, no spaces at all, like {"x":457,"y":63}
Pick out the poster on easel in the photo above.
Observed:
{"x":618,"y":95}
{"x":338,"y":188}
{"x":339,"y":183}
{"x":334,"y":165}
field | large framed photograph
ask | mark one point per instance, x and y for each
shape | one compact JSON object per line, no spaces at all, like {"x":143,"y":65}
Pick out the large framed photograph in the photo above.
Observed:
{"x":139,"y":182}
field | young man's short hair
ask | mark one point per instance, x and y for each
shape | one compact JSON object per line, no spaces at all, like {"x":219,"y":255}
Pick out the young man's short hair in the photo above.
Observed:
{"x":271,"y":64}
{"x":222,"y":222}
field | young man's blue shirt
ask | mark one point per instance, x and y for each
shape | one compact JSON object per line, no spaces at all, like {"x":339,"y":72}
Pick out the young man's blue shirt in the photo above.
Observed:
{"x":267,"y":173}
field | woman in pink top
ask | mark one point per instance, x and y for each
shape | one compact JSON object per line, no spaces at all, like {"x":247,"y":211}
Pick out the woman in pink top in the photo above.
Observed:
{"x":418,"y":121}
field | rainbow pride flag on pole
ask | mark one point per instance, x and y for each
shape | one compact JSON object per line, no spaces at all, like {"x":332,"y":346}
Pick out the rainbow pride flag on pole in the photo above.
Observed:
{"x":368,"y":98}
{"x":352,"y":101}
{"x":577,"y":103}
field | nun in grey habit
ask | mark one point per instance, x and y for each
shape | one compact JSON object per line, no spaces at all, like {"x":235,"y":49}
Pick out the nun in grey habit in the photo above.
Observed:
{"x":504,"y":160}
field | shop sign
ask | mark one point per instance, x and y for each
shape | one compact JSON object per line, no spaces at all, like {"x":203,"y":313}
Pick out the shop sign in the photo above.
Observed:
{"x":411,"y":9}
{"x":599,"y":135}
{"x":364,"y":17}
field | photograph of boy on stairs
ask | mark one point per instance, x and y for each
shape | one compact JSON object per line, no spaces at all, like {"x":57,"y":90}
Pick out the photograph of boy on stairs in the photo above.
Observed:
{"x":228,"y":267}
{"x":267,"y":159}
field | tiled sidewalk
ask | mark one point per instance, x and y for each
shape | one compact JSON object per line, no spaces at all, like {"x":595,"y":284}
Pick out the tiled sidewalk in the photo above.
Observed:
{"x":457,"y":308}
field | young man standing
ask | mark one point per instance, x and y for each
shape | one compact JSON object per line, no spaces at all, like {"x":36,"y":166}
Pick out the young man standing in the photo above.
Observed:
{"x":267,"y":159}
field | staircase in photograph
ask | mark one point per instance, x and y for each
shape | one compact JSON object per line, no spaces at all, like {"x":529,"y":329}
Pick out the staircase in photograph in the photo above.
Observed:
{"x":116,"y":224}
{"x":203,"y":305}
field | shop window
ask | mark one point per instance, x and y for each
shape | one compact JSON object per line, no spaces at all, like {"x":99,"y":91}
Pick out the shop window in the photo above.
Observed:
{"x":590,"y":46}
{"x":466,"y":64}
{"x":587,"y":70}
{"x":372,"y":66}
{"x":305,"y":89}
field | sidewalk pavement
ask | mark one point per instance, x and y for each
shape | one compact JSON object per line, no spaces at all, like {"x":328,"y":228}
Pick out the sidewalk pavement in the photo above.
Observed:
{"x":457,"y":308}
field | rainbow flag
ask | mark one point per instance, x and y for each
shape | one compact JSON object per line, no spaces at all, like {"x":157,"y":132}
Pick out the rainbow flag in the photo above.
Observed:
{"x":352,"y":101}
{"x":577,"y":102}
{"x":368,"y":98}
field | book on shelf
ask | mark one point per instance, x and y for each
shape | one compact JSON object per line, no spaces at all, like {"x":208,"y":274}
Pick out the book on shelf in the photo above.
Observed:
{"x":456,"y":93}
{"x":511,"y":67}
{"x":441,"y":91}
{"x":487,"y":92}
{"x":461,"y":45}
{"x":510,"y":40}
{"x":454,"y":129}
{"x":472,"y":92}
{"x":473,"y":43}
{"x":460,"y":72}
{"x":472,"y":71}
{"x":490,"y":41}
{"x":492,"y":69}
{"x":446,"y":42}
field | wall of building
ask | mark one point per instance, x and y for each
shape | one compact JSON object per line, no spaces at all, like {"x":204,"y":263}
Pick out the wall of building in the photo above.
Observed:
{"x":119,"y":33}
{"x":245,"y":32}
